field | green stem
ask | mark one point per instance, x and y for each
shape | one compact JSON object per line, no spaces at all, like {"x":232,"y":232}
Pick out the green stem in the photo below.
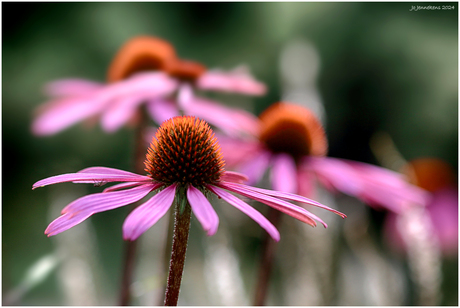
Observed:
{"x":179,"y":248}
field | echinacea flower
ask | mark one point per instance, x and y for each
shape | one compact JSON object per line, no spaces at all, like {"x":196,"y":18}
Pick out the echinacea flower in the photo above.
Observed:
{"x":184,"y":163}
{"x":146,"y":71}
{"x":292,"y":143}
{"x":437,"y":177}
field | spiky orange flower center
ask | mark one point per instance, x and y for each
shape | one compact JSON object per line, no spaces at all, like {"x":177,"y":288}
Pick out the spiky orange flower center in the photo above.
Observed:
{"x":185,"y":151}
{"x":144,"y":53}
{"x":292,"y":129}
{"x":431,"y":174}
{"x":140,"y":54}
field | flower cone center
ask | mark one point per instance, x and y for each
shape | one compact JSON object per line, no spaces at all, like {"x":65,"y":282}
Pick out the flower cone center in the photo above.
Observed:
{"x":431,"y":174}
{"x":142,"y":53}
{"x":292,"y":129}
{"x":185,"y":151}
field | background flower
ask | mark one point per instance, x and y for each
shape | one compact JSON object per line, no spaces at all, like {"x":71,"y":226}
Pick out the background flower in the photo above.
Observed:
{"x":380,"y":67}
{"x":291,"y":146}
{"x":145,"y":70}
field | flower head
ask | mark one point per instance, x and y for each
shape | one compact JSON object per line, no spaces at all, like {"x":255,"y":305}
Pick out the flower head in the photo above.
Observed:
{"x":292,"y":143}
{"x":437,"y":177}
{"x":185,"y":151}
{"x":292,"y":129}
{"x":184,"y":158}
{"x":146,"y":70}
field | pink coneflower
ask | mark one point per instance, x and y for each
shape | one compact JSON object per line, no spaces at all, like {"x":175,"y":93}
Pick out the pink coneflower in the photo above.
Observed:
{"x":437,"y":177}
{"x":146,"y":71}
{"x":184,"y":162}
{"x":293,"y":143}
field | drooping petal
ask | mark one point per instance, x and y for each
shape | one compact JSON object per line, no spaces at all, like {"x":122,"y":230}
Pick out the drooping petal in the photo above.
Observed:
{"x":149,"y":85}
{"x":90,"y":178}
{"x":236,"y":151}
{"x":82,"y":208}
{"x":65,"y":222}
{"x":59,"y":115}
{"x":185,"y":96}
{"x":235,"y":81}
{"x":230,"y":120}
{"x":286,"y":196}
{"x":248,"y":210}
{"x":283,"y":206}
{"x":255,"y":167}
{"x":72,"y":87}
{"x":120,"y":111}
{"x":203,"y":210}
{"x":105,"y":201}
{"x":128,"y":185}
{"x":234,"y":177}
{"x":147,"y":214}
{"x":283,"y":175}
{"x":162,"y":109}
{"x":305,"y":184}
{"x":374,"y":185}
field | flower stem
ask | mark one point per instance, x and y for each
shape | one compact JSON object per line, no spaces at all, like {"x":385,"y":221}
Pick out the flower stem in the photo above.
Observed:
{"x":179,"y":247}
{"x":166,"y":254}
{"x":130,"y":246}
{"x":266,"y":263}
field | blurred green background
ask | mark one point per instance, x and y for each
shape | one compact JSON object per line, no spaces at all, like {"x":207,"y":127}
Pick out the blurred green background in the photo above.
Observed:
{"x":382,"y":67}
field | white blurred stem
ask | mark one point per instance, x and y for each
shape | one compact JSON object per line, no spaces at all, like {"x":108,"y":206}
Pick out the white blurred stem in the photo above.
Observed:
{"x":36,"y":274}
{"x":424,"y":254}
{"x":222,"y":271}
{"x":299,"y":65}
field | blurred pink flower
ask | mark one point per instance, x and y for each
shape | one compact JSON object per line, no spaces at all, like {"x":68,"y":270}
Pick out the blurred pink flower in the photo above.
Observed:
{"x":144,"y":71}
{"x":292,"y":143}
{"x":184,"y":159}
{"x":437,"y":177}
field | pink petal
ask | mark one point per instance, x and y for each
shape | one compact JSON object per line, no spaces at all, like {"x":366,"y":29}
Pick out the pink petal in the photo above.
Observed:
{"x":374,"y":185}
{"x":60,"y":114}
{"x":161,"y":110}
{"x":203,"y":210}
{"x":238,"y":82}
{"x":287,"y":196}
{"x":119,"y":112}
{"x":248,"y":210}
{"x":105,"y":201}
{"x":95,"y":178}
{"x":123,"y":185}
{"x":232,"y":121}
{"x":237,"y":150}
{"x":65,"y":222}
{"x":72,"y":87}
{"x":234,"y":177}
{"x":185,"y":96}
{"x":88,"y":205}
{"x":255,"y":167}
{"x":147,"y":214}
{"x":443,"y":211}
{"x":63,"y":113}
{"x":305,"y":182}
{"x":147,"y":85}
{"x":283,"y":175}
{"x":285,"y":207}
